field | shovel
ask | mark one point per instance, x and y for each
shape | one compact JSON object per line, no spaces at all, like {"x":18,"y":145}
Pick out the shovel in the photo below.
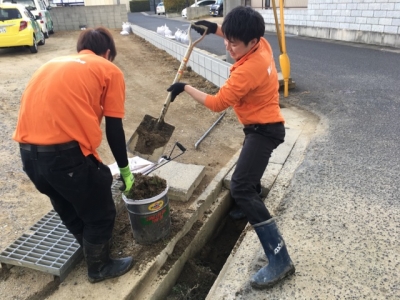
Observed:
{"x":152,"y":135}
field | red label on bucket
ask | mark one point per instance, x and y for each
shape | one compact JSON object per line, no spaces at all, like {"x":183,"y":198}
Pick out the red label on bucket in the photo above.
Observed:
{"x":155,"y":218}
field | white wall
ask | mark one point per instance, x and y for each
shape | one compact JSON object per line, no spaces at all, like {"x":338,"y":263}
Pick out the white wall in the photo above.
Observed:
{"x":107,"y":2}
{"x":372,"y":21}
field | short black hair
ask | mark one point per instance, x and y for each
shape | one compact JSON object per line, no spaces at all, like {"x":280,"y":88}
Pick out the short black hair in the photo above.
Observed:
{"x":243,"y":24}
{"x":98,"y":40}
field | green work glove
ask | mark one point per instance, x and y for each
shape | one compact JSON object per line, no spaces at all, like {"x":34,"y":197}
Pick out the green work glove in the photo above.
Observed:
{"x":127,"y":179}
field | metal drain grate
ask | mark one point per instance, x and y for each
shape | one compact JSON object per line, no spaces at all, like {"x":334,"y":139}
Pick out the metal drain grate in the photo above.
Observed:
{"x":51,"y":248}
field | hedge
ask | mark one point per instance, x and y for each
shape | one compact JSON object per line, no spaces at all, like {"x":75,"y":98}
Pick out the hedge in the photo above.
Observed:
{"x":139,"y":6}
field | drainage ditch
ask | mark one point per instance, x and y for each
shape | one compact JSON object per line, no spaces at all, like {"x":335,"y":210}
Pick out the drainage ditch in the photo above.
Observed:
{"x":200,"y":272}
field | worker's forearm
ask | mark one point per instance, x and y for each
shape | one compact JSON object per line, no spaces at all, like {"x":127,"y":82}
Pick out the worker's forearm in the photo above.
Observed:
{"x":197,"y":95}
{"x":219,"y":31}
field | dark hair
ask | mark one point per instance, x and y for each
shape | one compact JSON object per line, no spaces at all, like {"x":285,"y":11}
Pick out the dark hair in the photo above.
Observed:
{"x":243,"y":24}
{"x":98,"y":40}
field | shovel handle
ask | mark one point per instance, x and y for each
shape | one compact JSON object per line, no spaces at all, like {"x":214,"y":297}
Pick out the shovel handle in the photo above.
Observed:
{"x":181,"y":69}
{"x":167,"y":159}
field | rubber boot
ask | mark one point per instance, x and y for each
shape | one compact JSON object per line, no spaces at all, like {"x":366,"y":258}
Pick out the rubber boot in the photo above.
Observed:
{"x":236,"y":213}
{"x":279,"y":263}
{"x":100,"y":265}
{"x":79,"y":239}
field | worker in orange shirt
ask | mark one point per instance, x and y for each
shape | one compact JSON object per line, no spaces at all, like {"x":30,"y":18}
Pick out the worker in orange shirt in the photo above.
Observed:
{"x":58,"y":131}
{"x":252,"y":91}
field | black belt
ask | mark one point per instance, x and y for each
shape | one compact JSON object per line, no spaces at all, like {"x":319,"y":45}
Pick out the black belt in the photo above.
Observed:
{"x":259,"y":125}
{"x":49,"y":148}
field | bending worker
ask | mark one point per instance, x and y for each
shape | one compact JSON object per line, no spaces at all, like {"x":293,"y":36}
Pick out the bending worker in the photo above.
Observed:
{"x":252,"y":91}
{"x":59,"y":131}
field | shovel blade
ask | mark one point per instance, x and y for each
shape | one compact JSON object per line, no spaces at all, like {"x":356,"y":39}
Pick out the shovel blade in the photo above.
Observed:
{"x":150,"y":139}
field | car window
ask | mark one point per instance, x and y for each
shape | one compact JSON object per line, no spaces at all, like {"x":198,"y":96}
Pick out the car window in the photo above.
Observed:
{"x":9,"y":14}
{"x":29,"y":14}
{"x":204,"y":3}
{"x":27,"y":3}
{"x":42,"y":6}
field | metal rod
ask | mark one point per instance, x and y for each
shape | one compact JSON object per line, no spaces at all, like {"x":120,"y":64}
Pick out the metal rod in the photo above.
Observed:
{"x":166,"y":159}
{"x":208,"y":131}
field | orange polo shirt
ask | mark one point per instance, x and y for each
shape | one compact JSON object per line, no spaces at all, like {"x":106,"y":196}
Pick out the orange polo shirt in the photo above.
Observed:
{"x":66,"y":99}
{"x":252,"y":88}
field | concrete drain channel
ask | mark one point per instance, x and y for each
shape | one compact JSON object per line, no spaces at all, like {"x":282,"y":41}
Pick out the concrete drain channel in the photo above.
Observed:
{"x":199,"y":272}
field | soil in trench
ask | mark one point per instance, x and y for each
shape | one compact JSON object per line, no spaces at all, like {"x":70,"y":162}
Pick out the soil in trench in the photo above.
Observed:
{"x":200,"y":272}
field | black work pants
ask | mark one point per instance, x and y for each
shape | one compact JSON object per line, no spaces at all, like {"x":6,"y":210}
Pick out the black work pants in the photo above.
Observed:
{"x":259,"y":142}
{"x":79,"y":189}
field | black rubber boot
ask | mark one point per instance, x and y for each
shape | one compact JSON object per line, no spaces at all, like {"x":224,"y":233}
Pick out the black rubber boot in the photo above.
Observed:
{"x":279,"y":263}
{"x":100,"y":265}
{"x":236,"y":213}
{"x":79,"y":239}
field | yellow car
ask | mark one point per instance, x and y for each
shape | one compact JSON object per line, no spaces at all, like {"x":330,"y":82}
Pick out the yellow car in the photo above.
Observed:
{"x":18,"y":27}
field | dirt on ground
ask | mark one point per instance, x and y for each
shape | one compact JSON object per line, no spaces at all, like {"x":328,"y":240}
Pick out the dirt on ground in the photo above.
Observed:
{"x":148,"y":73}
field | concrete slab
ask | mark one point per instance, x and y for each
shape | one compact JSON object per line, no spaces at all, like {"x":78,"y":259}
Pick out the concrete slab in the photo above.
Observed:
{"x":181,"y":178}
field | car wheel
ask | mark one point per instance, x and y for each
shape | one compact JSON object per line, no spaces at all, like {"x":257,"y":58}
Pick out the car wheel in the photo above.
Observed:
{"x":42,"y":42}
{"x":52,"y":28}
{"x":46,"y":34}
{"x":34,"y":47}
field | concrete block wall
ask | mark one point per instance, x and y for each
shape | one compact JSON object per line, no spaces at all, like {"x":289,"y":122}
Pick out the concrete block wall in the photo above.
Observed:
{"x":197,"y":12}
{"x":208,"y":66}
{"x":372,"y":22}
{"x":72,"y":17}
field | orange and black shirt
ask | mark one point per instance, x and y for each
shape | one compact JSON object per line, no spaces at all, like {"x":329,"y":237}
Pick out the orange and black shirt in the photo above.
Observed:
{"x":66,"y":99}
{"x":252,"y":88}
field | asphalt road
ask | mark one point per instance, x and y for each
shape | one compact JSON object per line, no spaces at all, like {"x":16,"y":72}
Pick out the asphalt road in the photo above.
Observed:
{"x":344,"y":199}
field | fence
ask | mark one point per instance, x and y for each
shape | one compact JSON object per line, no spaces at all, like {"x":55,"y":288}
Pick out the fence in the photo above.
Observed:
{"x":75,"y":17}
